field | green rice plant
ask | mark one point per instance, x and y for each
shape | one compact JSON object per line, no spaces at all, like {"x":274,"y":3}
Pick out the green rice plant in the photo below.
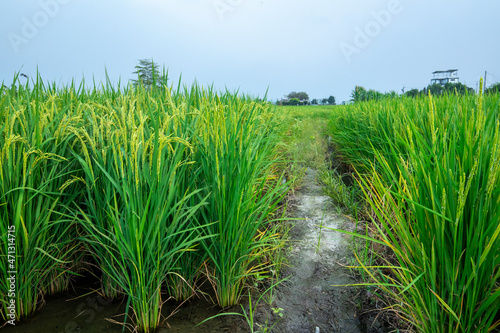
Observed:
{"x":183,"y":285}
{"x":431,"y":172}
{"x":35,"y":188}
{"x":235,"y":150}
{"x":153,"y":183}
{"x":147,"y":223}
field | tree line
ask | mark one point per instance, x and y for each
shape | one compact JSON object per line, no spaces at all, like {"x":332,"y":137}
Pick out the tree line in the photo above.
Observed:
{"x":149,"y":75}
{"x":302,"y":98}
{"x":360,"y":94}
{"x":436,"y":90}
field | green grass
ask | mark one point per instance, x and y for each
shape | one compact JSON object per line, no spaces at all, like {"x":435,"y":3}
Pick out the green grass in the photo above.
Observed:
{"x":306,"y":127}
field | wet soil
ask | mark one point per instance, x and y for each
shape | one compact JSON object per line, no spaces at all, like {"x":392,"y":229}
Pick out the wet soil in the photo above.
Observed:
{"x":309,"y":301}
{"x":74,"y":313}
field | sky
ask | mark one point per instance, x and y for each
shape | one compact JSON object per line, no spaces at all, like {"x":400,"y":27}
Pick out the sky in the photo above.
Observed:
{"x":322,"y":47}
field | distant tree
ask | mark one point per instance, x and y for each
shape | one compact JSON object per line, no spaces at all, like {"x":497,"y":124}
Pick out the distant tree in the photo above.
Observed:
{"x":493,"y":89}
{"x":359,"y":94}
{"x":324,"y":101}
{"x":294,"y":101}
{"x":412,"y":93}
{"x":331,"y":100}
{"x":302,"y":96}
{"x":435,"y":89}
{"x":373,"y":94}
{"x":314,"y":101}
{"x":149,"y":75}
{"x":391,"y":94}
{"x":451,"y":88}
{"x":457,"y":88}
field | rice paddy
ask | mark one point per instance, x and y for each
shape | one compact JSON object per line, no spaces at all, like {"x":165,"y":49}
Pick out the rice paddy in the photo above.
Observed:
{"x":162,"y":189}
{"x":429,"y":169}
{"x":158,"y":188}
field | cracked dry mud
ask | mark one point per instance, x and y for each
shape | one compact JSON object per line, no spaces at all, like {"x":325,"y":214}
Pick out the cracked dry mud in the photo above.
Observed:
{"x":309,"y":301}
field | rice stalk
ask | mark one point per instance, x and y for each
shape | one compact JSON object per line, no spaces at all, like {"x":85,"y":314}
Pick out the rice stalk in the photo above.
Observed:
{"x":429,"y":169}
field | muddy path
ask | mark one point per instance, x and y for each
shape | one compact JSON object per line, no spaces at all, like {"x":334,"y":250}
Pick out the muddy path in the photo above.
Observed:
{"x":309,"y":301}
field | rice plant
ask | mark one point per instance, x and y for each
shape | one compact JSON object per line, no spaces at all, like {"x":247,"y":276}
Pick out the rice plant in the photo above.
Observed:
{"x":145,"y":222}
{"x":153,"y":183}
{"x":35,"y":175}
{"x":430,"y":170}
{"x":239,"y":171}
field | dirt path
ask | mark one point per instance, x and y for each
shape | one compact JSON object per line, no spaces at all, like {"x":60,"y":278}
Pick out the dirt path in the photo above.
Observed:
{"x":309,"y":302}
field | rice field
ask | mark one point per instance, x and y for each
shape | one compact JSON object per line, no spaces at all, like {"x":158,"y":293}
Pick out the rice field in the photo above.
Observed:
{"x":429,"y":169}
{"x":161,"y":190}
{"x":157,"y":188}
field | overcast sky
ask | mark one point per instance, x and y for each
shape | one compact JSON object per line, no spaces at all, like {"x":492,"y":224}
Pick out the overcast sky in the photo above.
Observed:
{"x":322,"y":47}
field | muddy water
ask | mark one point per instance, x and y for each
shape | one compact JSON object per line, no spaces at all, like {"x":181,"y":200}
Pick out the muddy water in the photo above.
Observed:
{"x":309,"y":301}
{"x":65,"y":314}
